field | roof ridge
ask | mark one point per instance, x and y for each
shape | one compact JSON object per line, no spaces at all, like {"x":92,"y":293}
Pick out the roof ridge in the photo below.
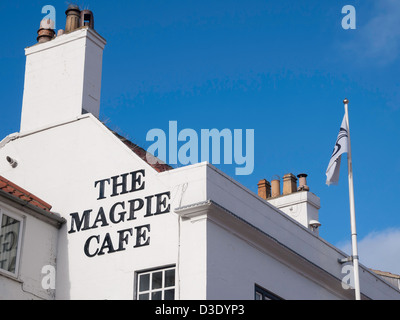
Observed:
{"x":386,"y":273}
{"x":157,"y":164}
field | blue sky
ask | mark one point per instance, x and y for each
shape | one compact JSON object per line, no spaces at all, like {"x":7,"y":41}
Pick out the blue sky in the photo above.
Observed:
{"x":281,"y":68}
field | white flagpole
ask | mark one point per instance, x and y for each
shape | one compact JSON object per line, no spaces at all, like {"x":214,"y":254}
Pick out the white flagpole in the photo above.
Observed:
{"x":352,"y":210}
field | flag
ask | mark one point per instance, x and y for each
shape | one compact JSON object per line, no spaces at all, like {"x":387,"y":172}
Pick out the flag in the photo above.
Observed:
{"x":341,"y":146}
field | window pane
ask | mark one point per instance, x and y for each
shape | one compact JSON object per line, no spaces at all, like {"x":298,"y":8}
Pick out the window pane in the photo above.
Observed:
{"x":144,"y":296}
{"x":144,"y":282}
{"x":170,"y":278}
{"x":9,"y":234}
{"x":156,"y":295}
{"x":259,"y":296}
{"x":157,"y":280}
{"x":157,"y":284}
{"x":169,"y":294}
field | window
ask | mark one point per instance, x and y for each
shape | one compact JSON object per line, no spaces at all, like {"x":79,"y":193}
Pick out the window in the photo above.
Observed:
{"x":156,"y":284}
{"x":10,"y":238}
{"x":263,"y":294}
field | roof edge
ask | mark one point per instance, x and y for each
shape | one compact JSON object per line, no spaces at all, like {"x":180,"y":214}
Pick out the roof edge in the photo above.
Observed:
{"x":47,"y":216}
{"x":20,"y":193}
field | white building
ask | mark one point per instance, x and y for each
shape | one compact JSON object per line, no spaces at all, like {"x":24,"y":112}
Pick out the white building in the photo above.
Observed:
{"x":28,"y":244}
{"x":139,"y":231}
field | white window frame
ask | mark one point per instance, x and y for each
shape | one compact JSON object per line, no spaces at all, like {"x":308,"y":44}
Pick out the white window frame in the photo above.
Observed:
{"x":19,"y":218}
{"x":261,"y":293}
{"x":162,"y":289}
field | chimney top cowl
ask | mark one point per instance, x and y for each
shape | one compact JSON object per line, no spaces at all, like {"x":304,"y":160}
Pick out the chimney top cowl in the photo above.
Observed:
{"x":72,"y":7}
{"x":47,"y":24}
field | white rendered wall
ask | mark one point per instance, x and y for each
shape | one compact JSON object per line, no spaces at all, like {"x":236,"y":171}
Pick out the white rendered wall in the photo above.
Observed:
{"x":302,"y":206}
{"x":292,"y":237}
{"x":38,"y":249}
{"x":235,"y":267}
{"x":62,"y":164}
{"x":193,"y":259}
{"x":62,"y":77}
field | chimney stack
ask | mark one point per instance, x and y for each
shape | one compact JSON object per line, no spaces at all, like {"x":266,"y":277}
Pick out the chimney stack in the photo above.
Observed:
{"x":289,"y":184}
{"x":301,"y":206}
{"x":264,"y":189}
{"x":63,"y":76}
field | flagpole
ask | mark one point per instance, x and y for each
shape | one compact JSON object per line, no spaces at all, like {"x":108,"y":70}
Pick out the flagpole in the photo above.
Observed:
{"x":355,"y":257}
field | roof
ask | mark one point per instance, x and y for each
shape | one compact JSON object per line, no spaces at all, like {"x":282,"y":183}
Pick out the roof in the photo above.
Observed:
{"x":20,"y":193}
{"x":153,"y":161}
{"x":386,"y":274}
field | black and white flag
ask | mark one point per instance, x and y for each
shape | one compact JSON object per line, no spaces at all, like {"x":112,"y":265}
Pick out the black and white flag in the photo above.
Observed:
{"x":341,"y":146}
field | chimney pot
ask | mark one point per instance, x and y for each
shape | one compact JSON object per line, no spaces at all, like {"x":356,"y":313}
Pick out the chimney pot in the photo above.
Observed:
{"x":73,"y":18}
{"x":303,"y":182}
{"x":289,"y":183}
{"x":275,"y":188}
{"x":46,"y":31}
{"x":264,"y":189}
{"x":87,"y":19}
{"x":47,"y":24}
